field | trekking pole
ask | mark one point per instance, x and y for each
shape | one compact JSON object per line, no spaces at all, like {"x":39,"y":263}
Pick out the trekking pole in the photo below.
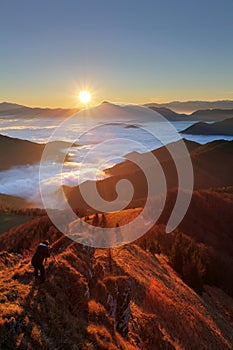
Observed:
{"x":53,"y":256}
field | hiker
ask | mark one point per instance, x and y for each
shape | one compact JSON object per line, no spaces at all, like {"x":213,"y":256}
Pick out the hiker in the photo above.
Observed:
{"x":42,"y":252}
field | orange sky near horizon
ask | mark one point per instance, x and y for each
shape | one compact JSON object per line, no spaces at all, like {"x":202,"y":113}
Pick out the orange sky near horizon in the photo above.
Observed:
{"x":125,"y":51}
{"x":71,"y":100}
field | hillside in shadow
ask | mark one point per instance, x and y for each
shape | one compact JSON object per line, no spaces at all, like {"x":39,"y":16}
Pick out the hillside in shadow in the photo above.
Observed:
{"x":224,"y":127}
{"x":16,"y":152}
{"x":212,"y":167}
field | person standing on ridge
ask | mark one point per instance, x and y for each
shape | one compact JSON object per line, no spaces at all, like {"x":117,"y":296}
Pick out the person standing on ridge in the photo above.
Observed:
{"x":42,"y":252}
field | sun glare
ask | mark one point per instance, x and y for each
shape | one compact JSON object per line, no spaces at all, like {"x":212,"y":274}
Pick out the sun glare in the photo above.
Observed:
{"x":84,"y":96}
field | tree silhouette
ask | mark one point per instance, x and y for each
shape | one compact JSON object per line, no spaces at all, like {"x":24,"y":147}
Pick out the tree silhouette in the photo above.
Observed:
{"x":177,"y":254}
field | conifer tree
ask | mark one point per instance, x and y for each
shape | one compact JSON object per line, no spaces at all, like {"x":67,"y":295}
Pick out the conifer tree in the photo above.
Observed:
{"x":177,"y":254}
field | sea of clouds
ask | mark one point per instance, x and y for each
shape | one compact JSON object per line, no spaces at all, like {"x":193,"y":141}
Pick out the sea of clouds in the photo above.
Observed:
{"x":24,"y":180}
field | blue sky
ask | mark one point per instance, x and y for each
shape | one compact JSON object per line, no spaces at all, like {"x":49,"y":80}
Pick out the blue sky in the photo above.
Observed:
{"x":128,"y":51}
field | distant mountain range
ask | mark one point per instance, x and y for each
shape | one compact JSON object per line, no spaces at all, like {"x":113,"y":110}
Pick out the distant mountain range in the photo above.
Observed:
{"x":107,"y":112}
{"x":204,"y":115}
{"x":170,"y":114}
{"x":212,"y":114}
{"x":216,"y":111}
{"x":24,"y":111}
{"x":176,"y":106}
{"x":192,"y":106}
{"x":224,"y":127}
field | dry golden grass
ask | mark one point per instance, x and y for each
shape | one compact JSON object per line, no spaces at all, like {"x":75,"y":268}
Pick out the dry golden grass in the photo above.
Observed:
{"x":178,"y":310}
{"x":72,"y":311}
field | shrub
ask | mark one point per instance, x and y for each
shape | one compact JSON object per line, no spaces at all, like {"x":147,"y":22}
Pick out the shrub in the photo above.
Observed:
{"x":188,"y":262}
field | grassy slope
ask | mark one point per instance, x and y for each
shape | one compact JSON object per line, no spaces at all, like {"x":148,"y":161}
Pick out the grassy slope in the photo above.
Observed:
{"x":7,"y":221}
{"x":71,"y":311}
{"x":13,"y":202}
{"x":165,"y":313}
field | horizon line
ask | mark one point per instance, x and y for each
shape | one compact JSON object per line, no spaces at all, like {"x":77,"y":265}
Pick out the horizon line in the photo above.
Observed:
{"x":117,"y":102}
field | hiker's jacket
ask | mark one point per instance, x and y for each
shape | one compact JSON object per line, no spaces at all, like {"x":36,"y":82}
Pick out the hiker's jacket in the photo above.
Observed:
{"x":41,"y":253}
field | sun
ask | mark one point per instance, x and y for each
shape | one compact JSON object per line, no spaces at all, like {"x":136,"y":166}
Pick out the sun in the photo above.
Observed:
{"x":84,"y":96}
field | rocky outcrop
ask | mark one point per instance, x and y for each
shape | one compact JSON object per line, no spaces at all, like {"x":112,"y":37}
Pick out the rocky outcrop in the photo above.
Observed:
{"x":115,"y":294}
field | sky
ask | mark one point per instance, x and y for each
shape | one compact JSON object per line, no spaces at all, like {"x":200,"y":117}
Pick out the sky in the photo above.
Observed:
{"x":122,"y":51}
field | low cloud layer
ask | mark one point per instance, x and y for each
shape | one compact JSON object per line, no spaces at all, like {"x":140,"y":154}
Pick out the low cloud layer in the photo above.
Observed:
{"x":24,"y":181}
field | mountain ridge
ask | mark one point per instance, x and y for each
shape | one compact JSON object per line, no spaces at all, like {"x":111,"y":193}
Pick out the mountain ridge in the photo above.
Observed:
{"x":224,"y":127}
{"x":212,"y":167}
{"x":203,"y":110}
{"x":28,"y":152}
{"x":128,"y":298}
{"x":191,"y":106}
{"x":7,"y":108}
